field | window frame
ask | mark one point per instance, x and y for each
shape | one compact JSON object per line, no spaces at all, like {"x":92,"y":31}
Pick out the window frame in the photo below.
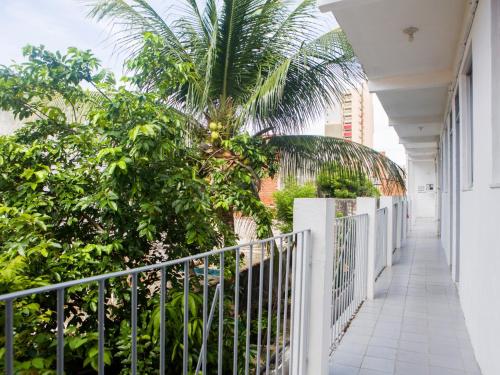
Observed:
{"x":466,"y":121}
{"x":495,"y":94}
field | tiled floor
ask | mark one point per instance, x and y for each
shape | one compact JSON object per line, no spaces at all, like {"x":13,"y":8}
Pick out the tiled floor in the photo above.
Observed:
{"x":415,"y":325}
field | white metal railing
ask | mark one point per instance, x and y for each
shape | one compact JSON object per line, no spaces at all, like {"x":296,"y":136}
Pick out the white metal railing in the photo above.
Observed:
{"x":263,"y":304}
{"x":381,"y":241}
{"x":258,"y":320}
{"x":349,"y":273}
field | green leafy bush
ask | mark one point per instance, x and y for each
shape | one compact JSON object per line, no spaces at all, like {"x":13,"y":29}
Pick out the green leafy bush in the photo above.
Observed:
{"x":284,"y":198}
{"x":335,"y":183}
{"x":98,"y":181}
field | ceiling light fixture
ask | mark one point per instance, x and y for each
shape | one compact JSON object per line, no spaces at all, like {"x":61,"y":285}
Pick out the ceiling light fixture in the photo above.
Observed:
{"x":410,"y":31}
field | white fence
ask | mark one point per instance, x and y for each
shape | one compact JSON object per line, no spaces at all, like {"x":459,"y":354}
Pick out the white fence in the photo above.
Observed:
{"x":349,"y":270}
{"x":343,"y":274}
{"x":282,"y":315}
{"x":243,"y":323}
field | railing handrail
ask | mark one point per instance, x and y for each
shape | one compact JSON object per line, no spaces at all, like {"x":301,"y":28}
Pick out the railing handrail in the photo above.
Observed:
{"x":350,"y":217}
{"x":132,"y":271}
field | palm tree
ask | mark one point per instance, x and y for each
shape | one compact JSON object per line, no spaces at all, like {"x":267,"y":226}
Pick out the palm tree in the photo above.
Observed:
{"x":258,"y":66}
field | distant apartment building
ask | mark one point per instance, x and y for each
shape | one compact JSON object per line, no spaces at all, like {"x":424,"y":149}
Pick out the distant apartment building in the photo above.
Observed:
{"x":352,"y":119}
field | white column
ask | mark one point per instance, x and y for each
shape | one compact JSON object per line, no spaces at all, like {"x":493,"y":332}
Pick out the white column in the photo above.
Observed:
{"x":405,"y":220}
{"x":399,"y":223}
{"x":311,"y":329}
{"x":366,"y":205}
{"x":388,"y":202}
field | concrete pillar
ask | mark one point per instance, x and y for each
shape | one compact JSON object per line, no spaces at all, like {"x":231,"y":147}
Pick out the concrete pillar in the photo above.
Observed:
{"x":405,"y":220}
{"x":399,"y":237}
{"x":388,"y":202}
{"x":366,"y":205}
{"x":311,"y":329}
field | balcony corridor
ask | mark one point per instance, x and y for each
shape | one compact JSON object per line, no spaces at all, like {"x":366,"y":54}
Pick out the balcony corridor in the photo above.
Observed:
{"x":415,"y":325}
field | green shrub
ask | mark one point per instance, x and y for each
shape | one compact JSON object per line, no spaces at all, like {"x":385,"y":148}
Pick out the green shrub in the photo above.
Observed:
{"x":283,"y":200}
{"x":333,"y":183}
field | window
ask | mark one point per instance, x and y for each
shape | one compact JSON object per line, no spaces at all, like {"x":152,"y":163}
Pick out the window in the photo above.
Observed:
{"x":466,"y":119}
{"x":495,"y":91}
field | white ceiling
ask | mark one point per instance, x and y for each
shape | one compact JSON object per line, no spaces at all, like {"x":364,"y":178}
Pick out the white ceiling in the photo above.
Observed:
{"x":411,"y":78}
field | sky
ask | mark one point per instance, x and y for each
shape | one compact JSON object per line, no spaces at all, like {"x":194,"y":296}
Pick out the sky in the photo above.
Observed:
{"x":59,"y":24}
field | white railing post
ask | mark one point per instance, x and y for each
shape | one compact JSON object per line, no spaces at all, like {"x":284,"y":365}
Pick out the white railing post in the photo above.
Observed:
{"x":310,"y":342}
{"x":399,"y":233}
{"x":405,"y":219}
{"x":366,"y":205}
{"x":388,"y":202}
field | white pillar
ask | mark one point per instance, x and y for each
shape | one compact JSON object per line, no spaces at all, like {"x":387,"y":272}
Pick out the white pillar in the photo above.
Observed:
{"x":311,"y":330}
{"x":399,"y":223}
{"x":366,"y":205}
{"x":388,"y":202}
{"x":405,"y":220}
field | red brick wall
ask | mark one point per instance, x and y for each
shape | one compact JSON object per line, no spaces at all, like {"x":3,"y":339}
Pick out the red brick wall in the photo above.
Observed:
{"x":267,"y":187}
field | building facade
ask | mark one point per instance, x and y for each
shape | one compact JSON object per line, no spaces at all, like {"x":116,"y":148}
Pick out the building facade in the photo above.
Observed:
{"x":8,"y":123}
{"x":353,"y":118}
{"x":435,"y":66}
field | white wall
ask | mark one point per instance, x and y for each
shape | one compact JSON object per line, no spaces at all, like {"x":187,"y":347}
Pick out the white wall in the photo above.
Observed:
{"x":422,"y":174}
{"x":479,"y":235}
{"x":8,"y":123}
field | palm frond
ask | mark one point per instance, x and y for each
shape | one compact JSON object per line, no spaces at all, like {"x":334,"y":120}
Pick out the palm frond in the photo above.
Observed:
{"x":317,"y":76}
{"x":131,"y":19}
{"x":257,"y":63}
{"x":307,"y":155}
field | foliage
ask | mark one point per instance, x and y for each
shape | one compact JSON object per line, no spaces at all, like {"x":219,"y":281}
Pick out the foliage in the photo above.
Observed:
{"x":101,"y":172}
{"x":260,"y":66}
{"x":284,"y":198}
{"x":333,"y":183}
{"x":87,"y":186}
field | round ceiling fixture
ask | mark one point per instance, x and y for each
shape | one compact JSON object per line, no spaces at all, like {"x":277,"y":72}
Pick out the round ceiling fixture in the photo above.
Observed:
{"x":410,"y":31}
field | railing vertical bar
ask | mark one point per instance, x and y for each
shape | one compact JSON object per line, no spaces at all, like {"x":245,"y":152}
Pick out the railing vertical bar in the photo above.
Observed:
{"x":349,"y":272}
{"x":353,"y":267}
{"x":342,"y":272}
{"x":301,"y":286}
{"x":60,"y":331}
{"x":285,"y":307}
{"x":294,"y":295}
{"x":259,"y":319}
{"x":205,"y":308}
{"x":236,"y":312}
{"x":163,"y":289}
{"x":269,"y":307}
{"x":9,"y":337}
{"x":334,"y":289}
{"x":365,"y":251}
{"x":346,"y":274}
{"x":249,"y":302}
{"x":278,"y":308}
{"x":333,"y":304}
{"x":359,"y":253}
{"x":101,"y":326}
{"x":339,"y":225}
{"x":134,"y":324}
{"x":221,"y":315}
{"x":185,"y":341}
